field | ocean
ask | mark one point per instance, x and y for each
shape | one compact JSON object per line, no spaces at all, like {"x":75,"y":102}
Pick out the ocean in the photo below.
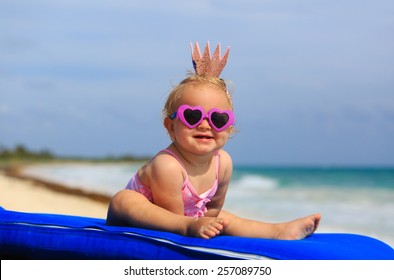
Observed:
{"x":351,"y":200}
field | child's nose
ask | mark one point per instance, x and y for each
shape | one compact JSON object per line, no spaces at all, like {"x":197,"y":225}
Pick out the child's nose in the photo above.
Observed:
{"x":205,"y":123}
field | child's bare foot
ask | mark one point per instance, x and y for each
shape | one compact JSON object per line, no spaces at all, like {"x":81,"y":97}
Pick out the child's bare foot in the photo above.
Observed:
{"x":206,"y":227}
{"x":300,"y":228}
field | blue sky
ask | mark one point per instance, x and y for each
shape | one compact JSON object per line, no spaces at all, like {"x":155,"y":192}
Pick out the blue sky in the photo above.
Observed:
{"x":313,"y":80}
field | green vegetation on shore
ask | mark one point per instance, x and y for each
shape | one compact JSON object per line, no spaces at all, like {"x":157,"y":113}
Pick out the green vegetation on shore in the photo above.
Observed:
{"x":21,"y":154}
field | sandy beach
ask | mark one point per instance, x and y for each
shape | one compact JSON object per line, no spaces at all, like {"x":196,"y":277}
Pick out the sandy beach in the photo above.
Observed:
{"x":24,"y":194}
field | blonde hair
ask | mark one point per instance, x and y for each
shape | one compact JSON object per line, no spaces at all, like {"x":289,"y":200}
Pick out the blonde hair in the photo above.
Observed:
{"x":171,"y":104}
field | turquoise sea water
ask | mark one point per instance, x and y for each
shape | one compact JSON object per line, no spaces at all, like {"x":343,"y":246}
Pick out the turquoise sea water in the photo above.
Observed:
{"x":352,"y":200}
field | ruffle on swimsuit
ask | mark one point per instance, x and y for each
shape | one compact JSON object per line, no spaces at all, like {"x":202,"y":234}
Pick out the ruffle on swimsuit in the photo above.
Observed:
{"x":194,"y":204}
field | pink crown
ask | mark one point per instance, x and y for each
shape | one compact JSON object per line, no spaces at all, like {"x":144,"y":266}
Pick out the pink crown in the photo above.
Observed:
{"x":205,"y":65}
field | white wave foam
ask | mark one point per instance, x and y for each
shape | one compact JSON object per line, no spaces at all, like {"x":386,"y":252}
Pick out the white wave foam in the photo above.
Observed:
{"x":256,"y":182}
{"x":106,"y":178}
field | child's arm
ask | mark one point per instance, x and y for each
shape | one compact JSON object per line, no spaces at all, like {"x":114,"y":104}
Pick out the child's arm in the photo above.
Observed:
{"x":164,"y":175}
{"x":225,"y":172}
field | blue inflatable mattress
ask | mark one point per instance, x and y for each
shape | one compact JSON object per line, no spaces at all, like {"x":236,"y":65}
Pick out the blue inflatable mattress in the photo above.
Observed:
{"x":52,"y":236}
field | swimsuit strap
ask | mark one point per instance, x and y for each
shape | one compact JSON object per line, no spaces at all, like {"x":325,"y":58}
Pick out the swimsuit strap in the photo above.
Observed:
{"x":168,"y":151}
{"x":175,"y":156}
{"x":217,"y":164}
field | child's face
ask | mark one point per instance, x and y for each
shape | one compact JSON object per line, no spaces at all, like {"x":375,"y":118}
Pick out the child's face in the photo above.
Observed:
{"x":203,"y":138}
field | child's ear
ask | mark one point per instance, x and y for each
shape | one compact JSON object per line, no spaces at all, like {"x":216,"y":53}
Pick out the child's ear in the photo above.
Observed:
{"x":169,"y":125}
{"x":232,"y":131}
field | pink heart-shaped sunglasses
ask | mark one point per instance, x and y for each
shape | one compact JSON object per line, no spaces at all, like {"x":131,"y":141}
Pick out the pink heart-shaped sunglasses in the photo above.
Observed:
{"x":194,"y":116}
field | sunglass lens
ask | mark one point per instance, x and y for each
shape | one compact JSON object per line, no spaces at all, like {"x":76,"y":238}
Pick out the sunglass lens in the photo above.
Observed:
{"x":192,"y":116}
{"x":219,"y":119}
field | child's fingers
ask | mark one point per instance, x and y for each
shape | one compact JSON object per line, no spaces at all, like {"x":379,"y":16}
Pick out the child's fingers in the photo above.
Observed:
{"x":209,"y":232}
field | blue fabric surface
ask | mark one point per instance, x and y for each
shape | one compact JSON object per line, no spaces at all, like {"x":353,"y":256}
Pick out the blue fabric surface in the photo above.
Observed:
{"x":51,"y":236}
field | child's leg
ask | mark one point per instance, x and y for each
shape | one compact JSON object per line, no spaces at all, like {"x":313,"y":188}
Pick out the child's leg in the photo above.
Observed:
{"x":296,"y":229}
{"x":130,"y":208}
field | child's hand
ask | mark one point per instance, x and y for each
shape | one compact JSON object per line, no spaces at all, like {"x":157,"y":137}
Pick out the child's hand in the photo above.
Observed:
{"x":206,"y":227}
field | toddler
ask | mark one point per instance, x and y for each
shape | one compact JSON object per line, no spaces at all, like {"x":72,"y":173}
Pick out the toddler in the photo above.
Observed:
{"x":183,"y":188}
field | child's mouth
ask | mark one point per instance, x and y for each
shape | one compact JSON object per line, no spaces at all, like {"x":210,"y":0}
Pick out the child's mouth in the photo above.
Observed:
{"x":203,"y":137}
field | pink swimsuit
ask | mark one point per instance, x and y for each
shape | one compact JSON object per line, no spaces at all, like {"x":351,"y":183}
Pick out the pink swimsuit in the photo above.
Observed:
{"x":194,"y":204}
